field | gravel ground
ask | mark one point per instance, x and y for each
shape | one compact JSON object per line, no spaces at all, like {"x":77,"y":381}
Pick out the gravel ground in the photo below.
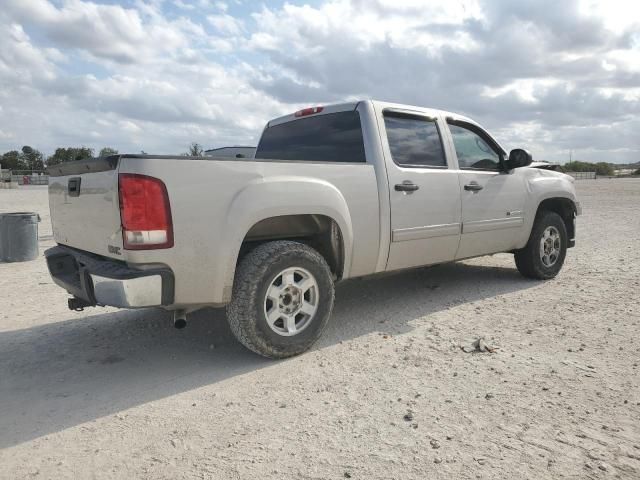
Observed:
{"x":386,"y":393}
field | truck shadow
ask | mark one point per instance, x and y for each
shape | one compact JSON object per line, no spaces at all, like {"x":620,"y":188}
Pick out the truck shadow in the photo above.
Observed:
{"x":58,"y":375}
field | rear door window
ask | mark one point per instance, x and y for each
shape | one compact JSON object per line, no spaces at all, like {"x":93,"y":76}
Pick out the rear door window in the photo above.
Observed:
{"x":333,"y":137}
{"x":414,"y":140}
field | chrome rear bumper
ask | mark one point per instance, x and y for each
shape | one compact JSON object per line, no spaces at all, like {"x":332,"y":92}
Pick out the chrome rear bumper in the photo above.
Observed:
{"x":100,"y":281}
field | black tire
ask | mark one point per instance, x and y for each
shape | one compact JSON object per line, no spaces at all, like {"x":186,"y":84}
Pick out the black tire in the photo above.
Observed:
{"x":254,"y":275}
{"x":528,"y":259}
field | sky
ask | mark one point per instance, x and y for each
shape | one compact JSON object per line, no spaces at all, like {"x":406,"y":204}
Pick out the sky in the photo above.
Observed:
{"x":559,"y":78}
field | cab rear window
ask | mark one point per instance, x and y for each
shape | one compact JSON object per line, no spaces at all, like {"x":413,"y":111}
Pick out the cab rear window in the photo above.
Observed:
{"x":334,"y":137}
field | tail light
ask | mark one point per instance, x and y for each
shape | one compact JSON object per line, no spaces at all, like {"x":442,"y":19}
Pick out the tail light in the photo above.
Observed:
{"x":145,"y":213}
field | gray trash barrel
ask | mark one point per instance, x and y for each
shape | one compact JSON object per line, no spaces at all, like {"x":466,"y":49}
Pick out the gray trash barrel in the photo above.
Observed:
{"x":18,"y":236}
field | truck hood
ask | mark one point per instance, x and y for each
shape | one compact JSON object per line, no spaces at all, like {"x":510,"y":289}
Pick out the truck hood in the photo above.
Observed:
{"x":548,"y":170}
{"x":545,"y":166}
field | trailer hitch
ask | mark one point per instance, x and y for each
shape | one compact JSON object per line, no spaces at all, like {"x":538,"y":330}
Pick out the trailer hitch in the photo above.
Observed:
{"x":78,"y":304}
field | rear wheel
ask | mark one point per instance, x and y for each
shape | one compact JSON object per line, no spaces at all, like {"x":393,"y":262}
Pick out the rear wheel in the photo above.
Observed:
{"x":282,"y":298}
{"x":543,"y":256}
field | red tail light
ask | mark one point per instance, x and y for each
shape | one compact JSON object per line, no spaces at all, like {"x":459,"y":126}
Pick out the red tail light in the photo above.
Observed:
{"x":308,"y":111}
{"x":145,"y":212}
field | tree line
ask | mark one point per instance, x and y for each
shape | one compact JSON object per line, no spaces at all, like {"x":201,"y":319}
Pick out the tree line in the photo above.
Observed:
{"x":29,"y":158}
{"x":601,"y":168}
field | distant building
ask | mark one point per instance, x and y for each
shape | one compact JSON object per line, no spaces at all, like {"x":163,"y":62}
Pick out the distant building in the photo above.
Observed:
{"x":5,"y":175}
{"x":235,"y":152}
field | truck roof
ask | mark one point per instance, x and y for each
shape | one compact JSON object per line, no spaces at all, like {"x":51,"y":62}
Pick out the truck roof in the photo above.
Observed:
{"x":343,"y":107}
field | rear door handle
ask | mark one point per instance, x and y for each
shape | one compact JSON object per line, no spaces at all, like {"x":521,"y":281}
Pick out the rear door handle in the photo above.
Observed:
{"x":473,"y":187}
{"x":406,"y":187}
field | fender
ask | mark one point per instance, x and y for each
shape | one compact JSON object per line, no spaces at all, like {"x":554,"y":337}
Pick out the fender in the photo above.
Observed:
{"x":543,"y":185}
{"x":281,"y":195}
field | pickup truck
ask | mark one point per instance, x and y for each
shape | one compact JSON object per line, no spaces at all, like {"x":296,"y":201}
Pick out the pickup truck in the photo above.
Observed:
{"x":333,"y":193}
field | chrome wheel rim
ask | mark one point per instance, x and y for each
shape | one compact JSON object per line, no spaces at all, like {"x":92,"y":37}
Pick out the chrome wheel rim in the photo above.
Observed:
{"x":291,"y":301}
{"x":550,"y":246}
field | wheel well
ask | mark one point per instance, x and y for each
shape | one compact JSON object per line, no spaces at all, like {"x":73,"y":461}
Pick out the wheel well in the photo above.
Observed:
{"x":563,"y":207}
{"x":318,"y":231}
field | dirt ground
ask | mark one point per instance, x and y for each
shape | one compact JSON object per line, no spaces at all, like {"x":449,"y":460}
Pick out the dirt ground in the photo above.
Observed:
{"x":386,"y":393}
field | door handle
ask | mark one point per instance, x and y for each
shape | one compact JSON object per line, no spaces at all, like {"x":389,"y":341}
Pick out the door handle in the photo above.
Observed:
{"x":473,"y":187}
{"x":406,"y":187}
{"x":73,"y":186}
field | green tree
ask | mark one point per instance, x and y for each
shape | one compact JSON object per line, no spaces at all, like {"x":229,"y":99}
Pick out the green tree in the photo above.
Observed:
{"x":69,"y":155}
{"x":59,"y":156}
{"x":81,"y":153}
{"x":195,"y":150}
{"x":637,"y":172}
{"x":12,"y":160}
{"x":32,"y":158}
{"x":106,"y":151}
{"x":601,"y":168}
{"x":579,"y":167}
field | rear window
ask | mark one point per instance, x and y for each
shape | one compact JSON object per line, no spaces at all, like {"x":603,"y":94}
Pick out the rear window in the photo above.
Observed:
{"x":334,"y":137}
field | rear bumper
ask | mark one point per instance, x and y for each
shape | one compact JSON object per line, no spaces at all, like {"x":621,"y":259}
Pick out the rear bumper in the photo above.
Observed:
{"x":98,"y":281}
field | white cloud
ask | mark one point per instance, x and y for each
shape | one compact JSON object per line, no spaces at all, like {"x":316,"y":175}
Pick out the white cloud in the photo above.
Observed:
{"x":616,"y":14}
{"x":226,"y":25}
{"x":184,"y":5}
{"x":539,"y":63}
{"x":367,"y":23}
{"x":20,"y":61}
{"x":158,"y":106}
{"x":156,"y":75}
{"x":222,"y":6}
{"x":6,"y":135}
{"x":111,"y":32}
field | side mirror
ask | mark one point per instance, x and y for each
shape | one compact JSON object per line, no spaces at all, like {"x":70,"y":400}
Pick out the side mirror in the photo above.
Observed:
{"x":518,"y":158}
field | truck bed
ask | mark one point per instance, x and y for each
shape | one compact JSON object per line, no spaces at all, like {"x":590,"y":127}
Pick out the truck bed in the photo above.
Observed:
{"x":214,"y":203}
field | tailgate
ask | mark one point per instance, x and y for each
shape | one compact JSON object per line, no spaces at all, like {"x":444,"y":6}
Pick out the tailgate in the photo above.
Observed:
{"x":83,"y":199}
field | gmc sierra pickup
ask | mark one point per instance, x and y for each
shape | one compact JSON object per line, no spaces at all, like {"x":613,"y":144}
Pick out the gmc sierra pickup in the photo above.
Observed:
{"x":333,"y":192}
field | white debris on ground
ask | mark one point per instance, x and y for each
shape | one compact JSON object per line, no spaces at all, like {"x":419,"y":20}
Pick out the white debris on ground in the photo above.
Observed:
{"x":386,"y":393}
{"x":480,"y":346}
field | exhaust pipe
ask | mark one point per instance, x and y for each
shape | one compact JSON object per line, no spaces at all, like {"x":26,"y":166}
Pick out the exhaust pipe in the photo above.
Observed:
{"x":78,"y":304}
{"x":180,"y":319}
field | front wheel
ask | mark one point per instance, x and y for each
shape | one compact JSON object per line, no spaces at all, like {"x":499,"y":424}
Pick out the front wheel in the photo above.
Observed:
{"x":282,"y":298}
{"x":543,"y":256}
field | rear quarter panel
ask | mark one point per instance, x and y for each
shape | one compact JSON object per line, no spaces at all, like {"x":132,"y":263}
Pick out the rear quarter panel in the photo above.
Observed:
{"x":215,"y":202}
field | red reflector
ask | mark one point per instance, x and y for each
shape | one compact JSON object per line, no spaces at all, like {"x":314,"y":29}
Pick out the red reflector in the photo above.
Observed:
{"x":308,"y":111}
{"x":145,"y":212}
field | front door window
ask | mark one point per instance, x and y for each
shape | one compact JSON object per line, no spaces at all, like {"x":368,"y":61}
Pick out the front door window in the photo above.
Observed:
{"x":472,"y":150}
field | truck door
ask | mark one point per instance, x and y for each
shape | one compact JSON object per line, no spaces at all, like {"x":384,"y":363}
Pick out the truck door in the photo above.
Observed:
{"x":423,"y":188}
{"x":492,"y":200}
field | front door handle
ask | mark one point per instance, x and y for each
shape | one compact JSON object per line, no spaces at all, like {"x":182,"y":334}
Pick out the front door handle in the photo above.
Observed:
{"x":473,"y":187}
{"x":406,"y":187}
